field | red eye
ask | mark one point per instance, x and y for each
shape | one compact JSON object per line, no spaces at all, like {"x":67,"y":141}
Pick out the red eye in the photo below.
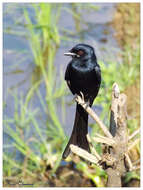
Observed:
{"x":80,"y":52}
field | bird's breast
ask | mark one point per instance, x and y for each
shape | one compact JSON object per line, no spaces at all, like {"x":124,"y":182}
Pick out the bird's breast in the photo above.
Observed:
{"x":82,"y":72}
{"x":83,"y":78}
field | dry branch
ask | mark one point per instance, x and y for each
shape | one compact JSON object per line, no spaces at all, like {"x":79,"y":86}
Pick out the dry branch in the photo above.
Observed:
{"x":131,"y":145}
{"x":84,"y":154}
{"x":129,"y":162}
{"x":93,"y":150}
{"x":80,"y":100}
{"x":118,"y":125}
{"x":115,"y":156}
{"x":134,"y":134}
{"x":103,"y":139}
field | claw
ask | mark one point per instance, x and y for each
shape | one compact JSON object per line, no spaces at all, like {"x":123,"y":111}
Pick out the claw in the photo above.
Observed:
{"x":82,"y":96}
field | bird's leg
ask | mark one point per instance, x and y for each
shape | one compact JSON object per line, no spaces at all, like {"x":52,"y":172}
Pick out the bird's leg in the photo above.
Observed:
{"x":86,"y":103}
{"x":80,"y":99}
{"x":82,"y":96}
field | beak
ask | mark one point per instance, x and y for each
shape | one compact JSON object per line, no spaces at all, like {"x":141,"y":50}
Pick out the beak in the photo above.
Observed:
{"x":70,"y":54}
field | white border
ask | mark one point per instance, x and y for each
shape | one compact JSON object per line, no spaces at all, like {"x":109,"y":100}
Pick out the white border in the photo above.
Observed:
{"x":1,"y":70}
{"x":71,"y":1}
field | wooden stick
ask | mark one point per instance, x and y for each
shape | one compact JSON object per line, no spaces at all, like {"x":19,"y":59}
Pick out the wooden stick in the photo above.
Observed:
{"x":111,"y":141}
{"x":134,"y":134}
{"x":93,"y":150}
{"x":119,"y":131}
{"x":104,"y":140}
{"x":84,"y":154}
{"x":128,"y":160}
{"x":131,"y":145}
{"x":80,"y":100}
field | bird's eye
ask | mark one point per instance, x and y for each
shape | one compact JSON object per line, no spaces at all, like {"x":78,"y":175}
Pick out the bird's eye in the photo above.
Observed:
{"x":80,"y":52}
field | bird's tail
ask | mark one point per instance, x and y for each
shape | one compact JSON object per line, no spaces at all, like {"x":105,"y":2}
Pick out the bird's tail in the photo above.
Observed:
{"x":80,"y":130}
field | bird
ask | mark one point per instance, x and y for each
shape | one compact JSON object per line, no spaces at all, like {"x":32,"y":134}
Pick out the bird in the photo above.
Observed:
{"x":83,"y":75}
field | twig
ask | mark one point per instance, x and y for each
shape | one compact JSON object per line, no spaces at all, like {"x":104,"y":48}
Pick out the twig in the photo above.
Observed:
{"x":84,"y":154}
{"x":128,"y":160}
{"x":81,"y":101}
{"x":103,"y":140}
{"x":111,"y":141}
{"x":133,"y":144}
{"x":93,"y":150}
{"x":134,"y":134}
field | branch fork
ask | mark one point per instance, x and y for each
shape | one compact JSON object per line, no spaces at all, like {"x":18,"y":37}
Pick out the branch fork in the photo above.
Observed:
{"x":115,"y":141}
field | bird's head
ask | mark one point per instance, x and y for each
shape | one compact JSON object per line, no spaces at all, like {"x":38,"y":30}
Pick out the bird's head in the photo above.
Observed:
{"x":82,"y":52}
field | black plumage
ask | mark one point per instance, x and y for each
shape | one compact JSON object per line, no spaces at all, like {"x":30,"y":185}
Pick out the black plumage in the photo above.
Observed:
{"x":82,"y":75}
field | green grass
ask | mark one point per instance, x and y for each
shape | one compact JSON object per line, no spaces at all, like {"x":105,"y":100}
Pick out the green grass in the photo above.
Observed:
{"x":124,"y":74}
{"x":44,"y":40}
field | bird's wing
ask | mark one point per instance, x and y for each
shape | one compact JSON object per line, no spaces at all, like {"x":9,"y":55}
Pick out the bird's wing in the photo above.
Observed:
{"x":98,"y":73}
{"x":67,"y":78}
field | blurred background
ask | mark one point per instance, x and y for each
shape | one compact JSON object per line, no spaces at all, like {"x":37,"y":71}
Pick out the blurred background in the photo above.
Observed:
{"x":38,"y":111}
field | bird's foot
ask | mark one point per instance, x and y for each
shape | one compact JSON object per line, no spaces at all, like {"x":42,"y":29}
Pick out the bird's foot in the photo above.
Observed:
{"x":80,"y":100}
